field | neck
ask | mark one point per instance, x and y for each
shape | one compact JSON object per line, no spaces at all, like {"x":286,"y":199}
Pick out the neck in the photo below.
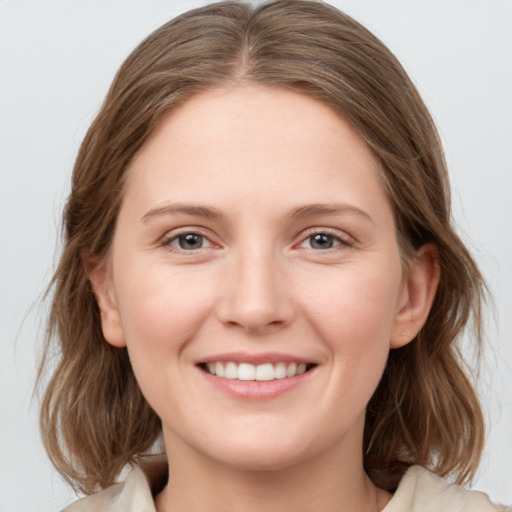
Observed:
{"x":321,"y":483}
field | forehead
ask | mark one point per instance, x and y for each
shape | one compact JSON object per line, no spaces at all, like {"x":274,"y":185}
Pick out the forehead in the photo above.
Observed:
{"x":250,"y":141}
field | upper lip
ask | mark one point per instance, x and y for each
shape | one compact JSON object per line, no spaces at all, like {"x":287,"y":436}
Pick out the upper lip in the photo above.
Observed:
{"x":255,"y":359}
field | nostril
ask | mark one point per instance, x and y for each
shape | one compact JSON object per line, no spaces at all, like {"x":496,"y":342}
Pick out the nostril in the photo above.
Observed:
{"x":255,"y":325}
{"x":256,"y":302}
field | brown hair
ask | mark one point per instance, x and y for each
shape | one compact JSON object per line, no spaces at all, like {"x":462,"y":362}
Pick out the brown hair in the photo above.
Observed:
{"x":94,"y":418}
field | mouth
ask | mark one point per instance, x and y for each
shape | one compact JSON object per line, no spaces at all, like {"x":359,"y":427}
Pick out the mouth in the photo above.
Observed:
{"x":244,"y":371}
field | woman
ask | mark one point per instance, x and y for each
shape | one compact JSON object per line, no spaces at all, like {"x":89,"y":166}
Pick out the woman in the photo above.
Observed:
{"x":259,"y":265}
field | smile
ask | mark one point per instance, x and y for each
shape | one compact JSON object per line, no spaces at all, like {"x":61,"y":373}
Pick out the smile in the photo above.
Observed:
{"x":251,"y":372}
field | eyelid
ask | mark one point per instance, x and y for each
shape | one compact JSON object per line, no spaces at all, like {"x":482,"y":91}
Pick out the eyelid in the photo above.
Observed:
{"x":344,"y":238}
{"x":174,"y":234}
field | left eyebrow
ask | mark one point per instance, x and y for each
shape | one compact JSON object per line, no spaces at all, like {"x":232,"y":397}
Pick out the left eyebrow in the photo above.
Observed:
{"x":310,"y":210}
{"x":195,"y":210}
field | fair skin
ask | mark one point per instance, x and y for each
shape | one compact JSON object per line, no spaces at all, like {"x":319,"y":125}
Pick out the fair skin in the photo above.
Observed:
{"x":255,"y":231}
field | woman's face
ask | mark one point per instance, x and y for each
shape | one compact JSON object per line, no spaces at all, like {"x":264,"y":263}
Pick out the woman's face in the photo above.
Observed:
{"x":255,"y":241}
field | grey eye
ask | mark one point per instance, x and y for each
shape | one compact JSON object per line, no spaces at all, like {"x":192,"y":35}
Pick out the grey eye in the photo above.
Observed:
{"x":321,"y":241}
{"x":190,"y":241}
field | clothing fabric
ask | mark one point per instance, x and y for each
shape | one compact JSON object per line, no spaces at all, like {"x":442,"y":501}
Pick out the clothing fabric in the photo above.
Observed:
{"x":418,"y":491}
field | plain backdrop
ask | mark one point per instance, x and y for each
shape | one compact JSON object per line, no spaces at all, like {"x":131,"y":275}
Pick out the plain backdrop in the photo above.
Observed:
{"x":57,"y":58}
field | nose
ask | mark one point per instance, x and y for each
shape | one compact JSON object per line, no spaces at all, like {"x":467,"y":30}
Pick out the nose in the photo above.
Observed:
{"x":256,"y":296}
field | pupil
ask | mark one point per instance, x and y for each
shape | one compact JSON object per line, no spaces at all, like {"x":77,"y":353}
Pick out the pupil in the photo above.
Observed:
{"x":190,"y":241}
{"x":322,"y":241}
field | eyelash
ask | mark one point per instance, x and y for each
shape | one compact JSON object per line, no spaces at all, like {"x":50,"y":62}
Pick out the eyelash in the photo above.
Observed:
{"x":168,"y":240}
{"x":342,"y":241}
{"x":339,"y":241}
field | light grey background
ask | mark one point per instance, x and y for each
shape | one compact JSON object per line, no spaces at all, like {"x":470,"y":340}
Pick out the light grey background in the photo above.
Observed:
{"x":57,"y":59}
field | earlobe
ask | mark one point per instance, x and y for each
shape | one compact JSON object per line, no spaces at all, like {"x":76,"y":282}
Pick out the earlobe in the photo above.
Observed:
{"x":418,"y":294}
{"x":102,"y":286}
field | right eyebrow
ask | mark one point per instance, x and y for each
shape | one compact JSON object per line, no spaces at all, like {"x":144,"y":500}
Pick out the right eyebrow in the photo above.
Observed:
{"x":195,"y":210}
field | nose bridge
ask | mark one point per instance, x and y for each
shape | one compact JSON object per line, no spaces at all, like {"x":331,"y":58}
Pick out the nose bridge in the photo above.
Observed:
{"x":256,"y":297}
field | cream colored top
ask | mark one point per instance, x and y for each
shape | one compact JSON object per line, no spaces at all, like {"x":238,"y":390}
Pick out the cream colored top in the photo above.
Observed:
{"x":419,"y":491}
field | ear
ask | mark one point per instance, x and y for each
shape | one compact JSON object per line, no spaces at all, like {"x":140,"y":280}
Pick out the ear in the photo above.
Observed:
{"x":101,"y":282}
{"x":417,"y":295}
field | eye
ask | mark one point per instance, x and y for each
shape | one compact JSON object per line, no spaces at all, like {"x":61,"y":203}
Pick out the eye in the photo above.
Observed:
{"x":323,"y":240}
{"x":188,"y":242}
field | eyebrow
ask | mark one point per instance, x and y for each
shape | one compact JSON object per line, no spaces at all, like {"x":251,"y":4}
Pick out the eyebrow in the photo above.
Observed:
{"x":300,"y":212}
{"x":184,"y":208}
{"x":311,"y":210}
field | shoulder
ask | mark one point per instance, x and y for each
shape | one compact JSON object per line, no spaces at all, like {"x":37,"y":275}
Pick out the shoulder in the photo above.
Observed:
{"x":422,"y":491}
{"x":135,"y":494}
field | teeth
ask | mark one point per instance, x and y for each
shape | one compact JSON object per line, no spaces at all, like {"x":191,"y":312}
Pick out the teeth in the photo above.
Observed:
{"x":280,"y":371}
{"x":301,"y":369}
{"x":231,"y":371}
{"x":291,"y":370}
{"x":246,"y":371}
{"x":265,"y":372}
{"x":219,"y":369}
{"x":261,"y":372}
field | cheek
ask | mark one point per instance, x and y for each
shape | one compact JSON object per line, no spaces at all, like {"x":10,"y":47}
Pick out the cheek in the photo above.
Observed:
{"x":355,"y":308}
{"x":354,"y":320}
{"x":161,"y":310}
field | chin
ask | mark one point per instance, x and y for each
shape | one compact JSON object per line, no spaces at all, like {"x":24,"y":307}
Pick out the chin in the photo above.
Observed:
{"x":258,"y":453}
{"x":257,"y":461}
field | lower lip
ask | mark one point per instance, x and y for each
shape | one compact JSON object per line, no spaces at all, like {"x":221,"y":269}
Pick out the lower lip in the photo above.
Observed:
{"x":256,"y":389}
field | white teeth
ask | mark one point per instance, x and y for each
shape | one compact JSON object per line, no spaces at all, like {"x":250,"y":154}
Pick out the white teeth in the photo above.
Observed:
{"x":219,"y":369}
{"x":261,"y":372}
{"x":264,"y":372}
{"x":290,"y":371}
{"x":246,"y":371}
{"x":280,"y":371}
{"x":231,"y":371}
{"x":301,"y":369}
